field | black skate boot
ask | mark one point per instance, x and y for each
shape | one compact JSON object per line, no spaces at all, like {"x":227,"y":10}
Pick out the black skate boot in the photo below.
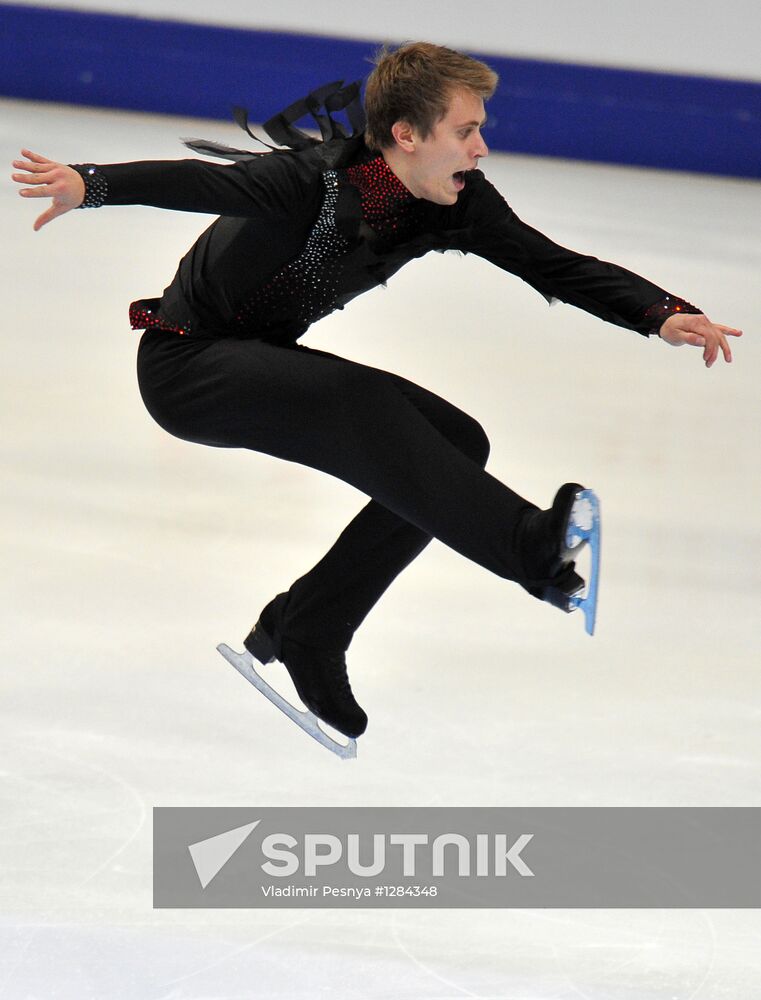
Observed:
{"x":546,"y":553}
{"x":319,"y":676}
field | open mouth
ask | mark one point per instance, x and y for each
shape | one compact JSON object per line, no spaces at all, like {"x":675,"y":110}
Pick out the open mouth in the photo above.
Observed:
{"x":459,"y":178}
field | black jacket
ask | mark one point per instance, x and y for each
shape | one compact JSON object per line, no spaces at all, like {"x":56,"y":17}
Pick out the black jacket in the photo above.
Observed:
{"x":291,"y":244}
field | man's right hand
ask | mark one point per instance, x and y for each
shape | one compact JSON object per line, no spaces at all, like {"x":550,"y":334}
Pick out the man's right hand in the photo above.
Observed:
{"x":50,"y":180}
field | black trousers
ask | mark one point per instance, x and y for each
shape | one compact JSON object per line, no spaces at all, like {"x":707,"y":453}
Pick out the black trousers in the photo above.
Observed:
{"x":420,"y":460}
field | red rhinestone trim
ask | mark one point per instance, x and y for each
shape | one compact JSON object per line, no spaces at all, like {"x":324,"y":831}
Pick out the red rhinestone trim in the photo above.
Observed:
{"x":144,"y":317}
{"x":657,"y":314}
{"x":387,"y":206}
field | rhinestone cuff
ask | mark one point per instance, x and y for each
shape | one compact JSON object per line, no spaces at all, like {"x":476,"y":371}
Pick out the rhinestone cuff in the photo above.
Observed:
{"x":657,"y":314}
{"x":96,"y":185}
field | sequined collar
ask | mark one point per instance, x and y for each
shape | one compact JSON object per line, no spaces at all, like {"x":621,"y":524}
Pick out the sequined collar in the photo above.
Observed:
{"x":392,"y":211}
{"x":379,"y":187}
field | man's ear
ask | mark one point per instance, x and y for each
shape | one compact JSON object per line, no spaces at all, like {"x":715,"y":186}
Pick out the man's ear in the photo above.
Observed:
{"x":404,"y":136}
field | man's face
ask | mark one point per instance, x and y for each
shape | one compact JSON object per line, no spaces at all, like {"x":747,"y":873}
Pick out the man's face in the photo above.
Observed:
{"x":435,"y":166}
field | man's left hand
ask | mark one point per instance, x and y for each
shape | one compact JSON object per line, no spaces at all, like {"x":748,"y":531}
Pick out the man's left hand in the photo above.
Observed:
{"x":697,"y":330}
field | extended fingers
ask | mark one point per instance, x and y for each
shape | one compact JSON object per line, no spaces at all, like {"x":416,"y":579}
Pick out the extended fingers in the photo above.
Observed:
{"x":712,"y":337}
{"x":726,"y":350}
{"x":722,"y":332}
{"x":35,"y":157}
{"x":41,"y":174}
{"x":31,"y":178}
{"x":38,"y":170}
{"x":51,"y":213}
{"x":32,"y":166}
{"x":729,"y":331}
{"x":44,"y":191}
{"x":48,"y":179}
{"x":718,"y":341}
{"x":698,"y":331}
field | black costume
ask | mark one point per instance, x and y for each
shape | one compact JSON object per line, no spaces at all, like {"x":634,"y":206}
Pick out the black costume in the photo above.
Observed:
{"x":302,"y":232}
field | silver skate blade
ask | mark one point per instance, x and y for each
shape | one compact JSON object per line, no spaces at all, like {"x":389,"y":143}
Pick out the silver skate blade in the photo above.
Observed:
{"x":584,"y":528}
{"x":244,"y":664}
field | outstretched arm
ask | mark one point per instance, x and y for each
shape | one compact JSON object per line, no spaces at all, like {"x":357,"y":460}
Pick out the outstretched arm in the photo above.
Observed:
{"x":606,"y":290}
{"x":267,"y":186}
{"x":49,"y":180}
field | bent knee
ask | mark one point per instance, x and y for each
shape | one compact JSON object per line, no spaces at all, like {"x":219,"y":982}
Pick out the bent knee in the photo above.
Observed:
{"x":472,"y":440}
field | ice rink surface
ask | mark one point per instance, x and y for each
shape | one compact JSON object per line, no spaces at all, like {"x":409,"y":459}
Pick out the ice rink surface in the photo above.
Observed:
{"x":128,"y":555}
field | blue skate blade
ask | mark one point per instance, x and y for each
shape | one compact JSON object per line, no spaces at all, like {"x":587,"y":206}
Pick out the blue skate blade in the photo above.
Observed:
{"x":584,"y":528}
{"x":244,"y":664}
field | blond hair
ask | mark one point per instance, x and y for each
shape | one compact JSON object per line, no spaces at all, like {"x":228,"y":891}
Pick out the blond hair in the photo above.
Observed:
{"x":414,"y":83}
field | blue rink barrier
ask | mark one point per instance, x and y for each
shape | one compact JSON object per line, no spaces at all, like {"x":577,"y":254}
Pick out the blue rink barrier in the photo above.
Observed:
{"x":633,"y":117}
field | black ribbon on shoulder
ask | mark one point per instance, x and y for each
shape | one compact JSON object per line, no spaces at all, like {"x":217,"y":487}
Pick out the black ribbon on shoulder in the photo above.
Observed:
{"x":320,"y":104}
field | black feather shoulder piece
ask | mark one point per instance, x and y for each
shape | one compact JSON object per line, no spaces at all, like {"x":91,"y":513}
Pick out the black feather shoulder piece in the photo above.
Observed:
{"x":320,"y":104}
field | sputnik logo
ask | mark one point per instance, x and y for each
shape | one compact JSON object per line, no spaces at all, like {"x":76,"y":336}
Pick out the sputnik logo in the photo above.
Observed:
{"x":210,"y":856}
{"x":324,"y":850}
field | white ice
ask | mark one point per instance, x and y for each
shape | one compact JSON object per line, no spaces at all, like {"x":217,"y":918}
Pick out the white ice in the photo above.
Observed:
{"x":128,"y":555}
